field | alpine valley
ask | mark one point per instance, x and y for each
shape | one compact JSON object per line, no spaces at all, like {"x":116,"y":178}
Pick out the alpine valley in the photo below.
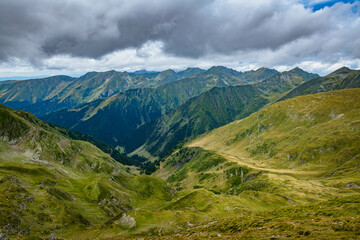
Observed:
{"x":194,"y":154}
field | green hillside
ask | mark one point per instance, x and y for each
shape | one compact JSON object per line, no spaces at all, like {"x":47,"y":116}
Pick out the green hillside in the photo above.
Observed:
{"x":333,"y":219}
{"x":290,"y":169}
{"x":51,"y":184}
{"x":311,"y":133}
{"x":293,"y":157}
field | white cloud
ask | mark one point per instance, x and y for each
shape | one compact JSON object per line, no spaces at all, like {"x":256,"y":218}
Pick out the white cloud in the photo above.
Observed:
{"x":240,"y":34}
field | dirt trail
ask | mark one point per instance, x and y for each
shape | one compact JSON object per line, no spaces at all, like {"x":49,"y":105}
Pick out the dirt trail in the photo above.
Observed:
{"x":248,"y":162}
{"x":233,"y":155}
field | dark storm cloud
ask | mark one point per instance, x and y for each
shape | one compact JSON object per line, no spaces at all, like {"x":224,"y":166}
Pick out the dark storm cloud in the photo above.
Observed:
{"x":38,"y":29}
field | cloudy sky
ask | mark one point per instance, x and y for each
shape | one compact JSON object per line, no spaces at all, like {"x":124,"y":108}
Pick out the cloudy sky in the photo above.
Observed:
{"x":42,"y":37}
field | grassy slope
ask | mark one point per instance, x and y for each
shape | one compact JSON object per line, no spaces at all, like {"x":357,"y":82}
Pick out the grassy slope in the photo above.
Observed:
{"x":332,"y":219}
{"x":226,"y":180}
{"x":51,"y":184}
{"x":302,"y":152}
{"x":315,"y":132}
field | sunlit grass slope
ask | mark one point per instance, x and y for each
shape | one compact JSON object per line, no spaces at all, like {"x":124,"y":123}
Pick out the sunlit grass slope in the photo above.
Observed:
{"x":50,"y":184}
{"x":302,"y":154}
{"x":333,"y":219}
{"x":311,"y":133}
{"x":288,"y":170}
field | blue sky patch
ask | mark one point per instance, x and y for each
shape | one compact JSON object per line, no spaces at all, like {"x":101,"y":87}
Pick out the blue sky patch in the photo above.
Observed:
{"x":323,"y":4}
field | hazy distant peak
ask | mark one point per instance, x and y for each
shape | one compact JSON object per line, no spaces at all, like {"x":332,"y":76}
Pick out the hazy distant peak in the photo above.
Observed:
{"x":296,"y":70}
{"x":341,"y":70}
{"x":264,"y":69}
{"x":221,"y":69}
{"x":168,"y":71}
{"x":193,"y":68}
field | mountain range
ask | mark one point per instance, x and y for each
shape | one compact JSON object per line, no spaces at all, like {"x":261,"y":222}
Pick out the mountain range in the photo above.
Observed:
{"x":43,"y":96}
{"x":46,"y":95}
{"x":226,"y":155}
{"x":212,"y":109}
{"x":134,"y":108}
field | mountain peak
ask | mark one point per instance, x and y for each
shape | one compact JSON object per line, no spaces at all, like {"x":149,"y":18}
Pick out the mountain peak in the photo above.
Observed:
{"x":190,"y":72}
{"x":265,"y":69}
{"x":296,"y":70}
{"x":221,"y":69}
{"x":192,"y":69}
{"x":168,"y":71}
{"x":261,"y":69}
{"x":304,"y":74}
{"x":165,"y":74}
{"x":341,"y":70}
{"x":144,"y":71}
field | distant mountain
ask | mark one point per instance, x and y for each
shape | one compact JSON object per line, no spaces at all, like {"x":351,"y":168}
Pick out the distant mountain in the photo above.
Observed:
{"x":144,"y":71}
{"x":43,"y":96}
{"x":282,"y":82}
{"x":276,"y":85}
{"x":20,"y":78}
{"x":340,"y":79}
{"x":131,"y":109}
{"x":47,"y":95}
{"x":210,"y":110}
{"x":190,"y":72}
{"x":141,"y":120}
{"x":260,"y":74}
{"x":231,"y":77}
{"x":134,"y":108}
{"x":19,"y":94}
